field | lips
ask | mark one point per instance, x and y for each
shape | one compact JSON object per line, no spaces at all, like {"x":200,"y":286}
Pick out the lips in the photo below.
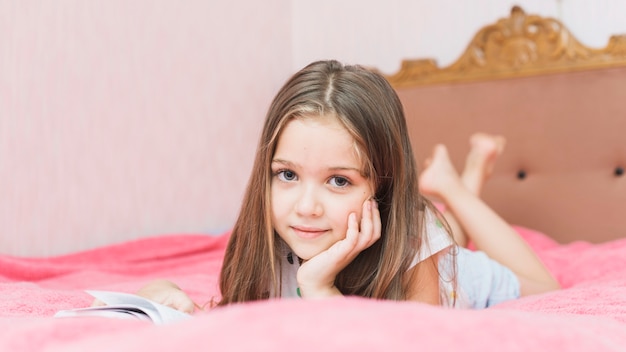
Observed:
{"x":308,"y":232}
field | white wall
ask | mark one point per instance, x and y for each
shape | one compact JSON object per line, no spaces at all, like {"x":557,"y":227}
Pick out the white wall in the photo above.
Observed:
{"x":380,"y":33}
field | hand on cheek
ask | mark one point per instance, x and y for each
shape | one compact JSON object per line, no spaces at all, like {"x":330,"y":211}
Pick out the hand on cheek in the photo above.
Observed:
{"x":316,"y":277}
{"x":370,"y":226}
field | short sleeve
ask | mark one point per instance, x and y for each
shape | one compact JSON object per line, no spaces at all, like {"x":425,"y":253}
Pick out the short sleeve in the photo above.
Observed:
{"x":435,"y":238}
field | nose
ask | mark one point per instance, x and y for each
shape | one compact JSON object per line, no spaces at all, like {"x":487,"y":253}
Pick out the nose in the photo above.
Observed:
{"x":309,"y":203}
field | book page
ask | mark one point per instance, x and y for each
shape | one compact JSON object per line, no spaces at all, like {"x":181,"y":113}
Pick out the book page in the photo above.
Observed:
{"x":119,"y":312}
{"x":126,"y":305}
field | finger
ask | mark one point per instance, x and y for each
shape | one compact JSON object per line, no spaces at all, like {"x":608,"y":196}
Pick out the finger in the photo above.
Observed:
{"x":352,"y":234}
{"x":345,"y":248}
{"x":184,"y":303}
{"x":97,"y":303}
{"x":367,"y":226}
{"x":376,"y":222}
{"x":179,"y":301}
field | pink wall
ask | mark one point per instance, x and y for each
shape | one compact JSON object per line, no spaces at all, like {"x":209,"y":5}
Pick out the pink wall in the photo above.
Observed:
{"x":122,"y":119}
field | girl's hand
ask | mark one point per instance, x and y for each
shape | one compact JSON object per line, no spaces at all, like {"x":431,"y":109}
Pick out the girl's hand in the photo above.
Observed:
{"x":167,"y":293}
{"x":316,"y":277}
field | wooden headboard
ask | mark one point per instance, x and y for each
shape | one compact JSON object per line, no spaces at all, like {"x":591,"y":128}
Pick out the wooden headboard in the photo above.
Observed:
{"x":561,"y":107}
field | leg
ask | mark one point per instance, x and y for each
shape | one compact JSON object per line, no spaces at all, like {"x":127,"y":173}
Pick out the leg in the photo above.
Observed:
{"x":479,"y":163}
{"x":487,"y":230}
{"x":481,"y":159}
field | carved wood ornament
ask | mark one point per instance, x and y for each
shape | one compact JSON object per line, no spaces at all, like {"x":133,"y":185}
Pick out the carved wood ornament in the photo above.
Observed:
{"x":517,"y":46}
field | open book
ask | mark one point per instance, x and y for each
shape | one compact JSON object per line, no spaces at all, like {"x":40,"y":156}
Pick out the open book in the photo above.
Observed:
{"x":126,"y":306}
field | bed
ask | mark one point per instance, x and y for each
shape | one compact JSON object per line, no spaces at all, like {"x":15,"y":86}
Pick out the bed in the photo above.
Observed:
{"x":560,"y":106}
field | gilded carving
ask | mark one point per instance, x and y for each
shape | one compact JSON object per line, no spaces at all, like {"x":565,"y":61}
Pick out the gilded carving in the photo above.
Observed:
{"x":519,"y":45}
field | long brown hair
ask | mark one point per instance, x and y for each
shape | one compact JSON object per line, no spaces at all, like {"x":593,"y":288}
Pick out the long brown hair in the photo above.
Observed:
{"x":368,"y":107}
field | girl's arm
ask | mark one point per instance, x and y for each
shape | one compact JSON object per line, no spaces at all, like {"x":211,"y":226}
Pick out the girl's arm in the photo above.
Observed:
{"x":424,"y":281}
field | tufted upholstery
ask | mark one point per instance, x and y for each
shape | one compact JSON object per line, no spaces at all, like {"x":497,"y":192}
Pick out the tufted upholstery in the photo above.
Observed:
{"x":562,"y":171}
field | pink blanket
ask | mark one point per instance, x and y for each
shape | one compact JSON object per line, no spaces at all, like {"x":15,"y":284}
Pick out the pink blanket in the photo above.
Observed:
{"x":588,"y":314}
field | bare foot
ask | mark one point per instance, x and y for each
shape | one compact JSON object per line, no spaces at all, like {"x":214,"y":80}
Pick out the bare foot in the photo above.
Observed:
{"x":439,"y":178}
{"x":481,"y":159}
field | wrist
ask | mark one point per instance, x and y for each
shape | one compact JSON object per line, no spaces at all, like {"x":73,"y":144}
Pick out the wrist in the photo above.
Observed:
{"x":312,"y":292}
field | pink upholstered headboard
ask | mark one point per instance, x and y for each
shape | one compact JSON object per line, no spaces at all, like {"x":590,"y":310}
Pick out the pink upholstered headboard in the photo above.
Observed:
{"x":561,"y":107}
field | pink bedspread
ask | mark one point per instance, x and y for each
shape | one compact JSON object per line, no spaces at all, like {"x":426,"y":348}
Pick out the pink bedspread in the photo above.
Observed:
{"x":589,"y":314}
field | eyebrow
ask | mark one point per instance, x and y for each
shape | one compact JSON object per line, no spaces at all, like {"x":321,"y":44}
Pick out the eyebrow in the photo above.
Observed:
{"x":281,"y":161}
{"x":333,"y":168}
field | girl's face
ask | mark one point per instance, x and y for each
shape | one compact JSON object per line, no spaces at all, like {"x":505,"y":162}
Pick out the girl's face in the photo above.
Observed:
{"x":317,"y":181}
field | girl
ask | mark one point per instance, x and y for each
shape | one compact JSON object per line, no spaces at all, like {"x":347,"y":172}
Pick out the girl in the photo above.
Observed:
{"x":333,"y":208}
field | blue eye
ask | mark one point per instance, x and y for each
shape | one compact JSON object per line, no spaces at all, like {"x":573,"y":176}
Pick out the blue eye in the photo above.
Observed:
{"x":286,"y":175}
{"x":339,"y":181}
